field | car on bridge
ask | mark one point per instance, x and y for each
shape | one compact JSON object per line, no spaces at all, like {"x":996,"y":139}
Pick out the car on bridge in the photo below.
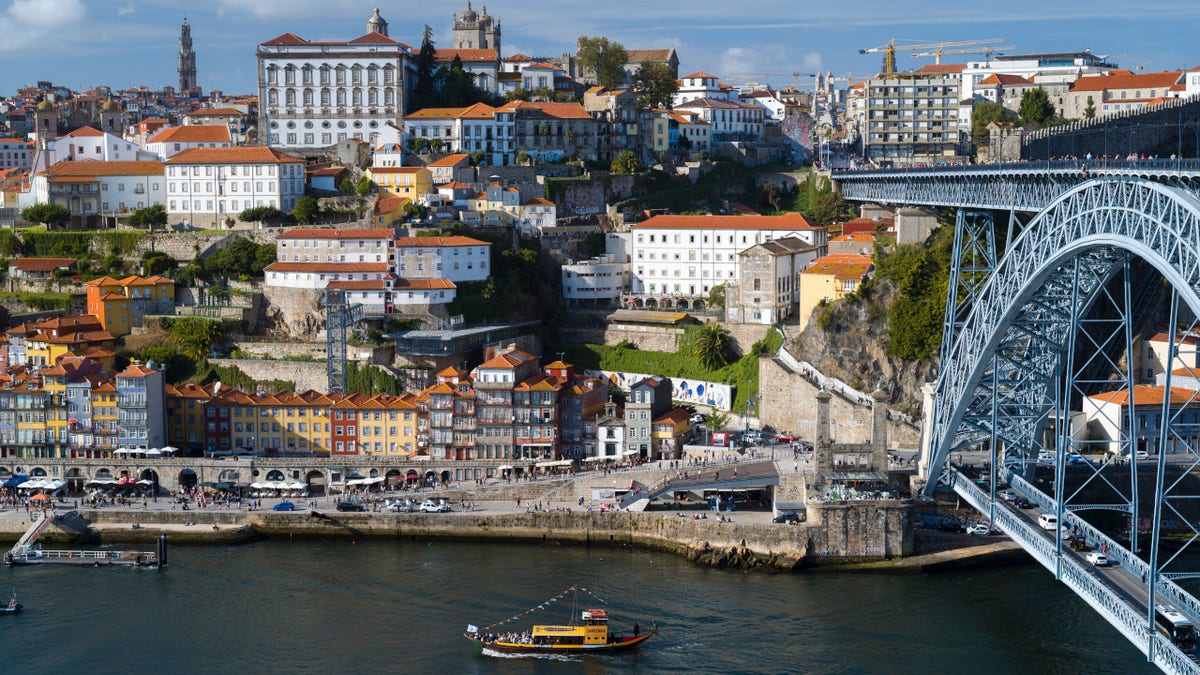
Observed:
{"x":1007,"y":495}
{"x":284,"y":506}
{"x":1022,"y":503}
{"x":1097,"y":559}
{"x":980,"y":529}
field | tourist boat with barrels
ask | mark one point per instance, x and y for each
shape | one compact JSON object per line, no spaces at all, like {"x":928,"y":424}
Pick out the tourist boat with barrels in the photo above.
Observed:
{"x":592,"y":635}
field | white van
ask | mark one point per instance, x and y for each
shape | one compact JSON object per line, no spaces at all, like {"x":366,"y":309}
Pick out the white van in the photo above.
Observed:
{"x":1048,"y":521}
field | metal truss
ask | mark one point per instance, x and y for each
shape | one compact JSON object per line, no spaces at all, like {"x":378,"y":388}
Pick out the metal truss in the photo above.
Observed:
{"x":1054,"y":324}
{"x":1023,"y":186}
{"x":339,"y":316}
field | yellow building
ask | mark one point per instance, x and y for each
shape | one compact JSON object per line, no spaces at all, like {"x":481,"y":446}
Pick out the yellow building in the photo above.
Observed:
{"x":185,"y":415}
{"x":402,"y":181}
{"x":829,"y":279}
{"x":668,"y":433}
{"x":387,"y":425}
{"x":104,"y":416}
{"x":120,"y":304}
{"x":56,"y":338}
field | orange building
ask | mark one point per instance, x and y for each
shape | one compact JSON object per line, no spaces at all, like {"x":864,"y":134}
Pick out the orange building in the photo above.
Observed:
{"x":120,"y":304}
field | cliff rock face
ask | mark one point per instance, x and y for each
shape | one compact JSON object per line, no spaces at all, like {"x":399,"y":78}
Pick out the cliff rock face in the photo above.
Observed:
{"x":852,"y":348}
{"x":295,"y":312}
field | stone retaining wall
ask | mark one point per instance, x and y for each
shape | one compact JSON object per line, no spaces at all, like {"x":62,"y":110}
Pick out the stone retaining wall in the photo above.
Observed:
{"x":306,"y":374}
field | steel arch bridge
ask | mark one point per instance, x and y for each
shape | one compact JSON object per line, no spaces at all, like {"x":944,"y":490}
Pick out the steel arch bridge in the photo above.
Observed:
{"x":1039,"y":347}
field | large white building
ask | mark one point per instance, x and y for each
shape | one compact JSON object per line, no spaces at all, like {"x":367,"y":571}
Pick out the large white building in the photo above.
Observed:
{"x":88,"y":143}
{"x":314,"y":94}
{"x":205,"y":186}
{"x":678,"y":260}
{"x":599,"y":282}
{"x":314,"y":257}
{"x":479,"y":127}
{"x":455,"y":258}
{"x":14,"y":153}
{"x":98,"y":193}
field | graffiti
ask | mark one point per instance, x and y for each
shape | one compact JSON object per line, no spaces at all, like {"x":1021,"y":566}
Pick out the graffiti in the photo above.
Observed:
{"x":719,"y":396}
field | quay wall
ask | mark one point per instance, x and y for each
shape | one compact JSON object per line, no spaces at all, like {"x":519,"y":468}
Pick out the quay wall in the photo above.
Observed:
{"x":731,"y":545}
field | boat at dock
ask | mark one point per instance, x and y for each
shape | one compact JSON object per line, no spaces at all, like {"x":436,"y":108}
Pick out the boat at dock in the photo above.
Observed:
{"x":592,"y":635}
{"x":28,"y":551}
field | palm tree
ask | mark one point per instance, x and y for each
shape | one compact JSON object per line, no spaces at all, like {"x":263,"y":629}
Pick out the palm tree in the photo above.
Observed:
{"x":712,"y":344}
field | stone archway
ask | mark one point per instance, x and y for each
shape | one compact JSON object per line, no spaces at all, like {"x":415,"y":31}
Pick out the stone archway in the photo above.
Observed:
{"x":75,"y":479}
{"x":681,"y":303}
{"x":188,"y":479}
{"x":37,"y":472}
{"x":651,"y":303}
{"x":446,"y":477}
{"x":152,"y":476}
{"x":316,"y":482}
{"x":103,"y":474}
{"x":275,"y":475}
{"x":698,"y":305}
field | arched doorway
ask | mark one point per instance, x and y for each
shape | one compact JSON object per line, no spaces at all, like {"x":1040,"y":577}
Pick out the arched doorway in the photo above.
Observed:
{"x":651,"y":303}
{"x":394,"y":477}
{"x":275,"y":475}
{"x":374,"y":473}
{"x":104,"y":474}
{"x":430,"y":478}
{"x":75,"y":480}
{"x":697,"y":305}
{"x":412,"y":476}
{"x":37,"y":472}
{"x":316,"y":482}
{"x":187,"y":479}
{"x":229,"y":476}
{"x":152,"y":476}
{"x":681,"y":303}
{"x":446,"y":475}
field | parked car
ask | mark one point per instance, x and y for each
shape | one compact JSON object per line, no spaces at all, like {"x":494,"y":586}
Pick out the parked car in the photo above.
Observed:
{"x":401,"y":505}
{"x":790,"y":518}
{"x":697,"y":419}
{"x":434,"y":506}
{"x":982,"y":529}
{"x":1097,"y":559}
{"x":284,"y":506}
{"x":1141,"y":454}
{"x":351,"y":506}
{"x":786,"y":438}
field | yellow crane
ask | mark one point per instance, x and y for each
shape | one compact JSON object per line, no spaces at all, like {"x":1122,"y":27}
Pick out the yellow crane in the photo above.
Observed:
{"x":987,"y":51}
{"x":889,"y":50}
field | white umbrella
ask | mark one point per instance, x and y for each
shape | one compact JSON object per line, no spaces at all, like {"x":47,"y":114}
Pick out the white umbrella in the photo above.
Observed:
{"x":297,"y":486}
{"x":122,"y":451}
{"x":153,"y":453}
{"x":30,"y":485}
{"x":169,"y":449}
{"x":257,"y":486}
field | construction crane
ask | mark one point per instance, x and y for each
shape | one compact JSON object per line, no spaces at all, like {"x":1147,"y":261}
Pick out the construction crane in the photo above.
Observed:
{"x":889,"y":50}
{"x":987,"y":51}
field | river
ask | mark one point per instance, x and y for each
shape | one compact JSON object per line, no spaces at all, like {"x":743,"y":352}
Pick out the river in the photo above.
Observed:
{"x":400,"y":607}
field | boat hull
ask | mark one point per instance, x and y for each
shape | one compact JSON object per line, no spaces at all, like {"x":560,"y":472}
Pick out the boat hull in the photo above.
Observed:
{"x":626,"y":643}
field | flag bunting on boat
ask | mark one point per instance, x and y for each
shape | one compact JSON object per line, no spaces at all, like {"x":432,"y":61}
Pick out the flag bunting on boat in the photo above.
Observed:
{"x":545,"y":605}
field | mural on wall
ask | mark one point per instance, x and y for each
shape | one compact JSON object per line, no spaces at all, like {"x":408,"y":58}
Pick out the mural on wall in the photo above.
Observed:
{"x":719,"y":396}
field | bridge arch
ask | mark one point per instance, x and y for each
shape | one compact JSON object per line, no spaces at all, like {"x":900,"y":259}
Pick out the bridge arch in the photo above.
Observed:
{"x":1095,"y":226}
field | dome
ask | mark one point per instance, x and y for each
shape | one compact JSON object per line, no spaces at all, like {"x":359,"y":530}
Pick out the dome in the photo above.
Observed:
{"x":470,"y":14}
{"x":109,"y":106}
{"x":45,"y":105}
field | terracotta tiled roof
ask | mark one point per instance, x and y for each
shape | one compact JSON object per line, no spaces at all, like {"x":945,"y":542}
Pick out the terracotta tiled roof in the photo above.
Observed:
{"x":426,"y":242}
{"x":92,"y":167}
{"x":556,"y":110}
{"x":841,"y":266}
{"x":450,"y":160}
{"x":999,"y":78}
{"x":538,"y":201}
{"x":467,"y":55}
{"x":332,"y":233}
{"x":326,"y":267}
{"x":136,"y":370}
{"x":376,"y":285}
{"x":1127,"y":80}
{"x":193,"y":134}
{"x":854,"y":236}
{"x":216,"y":112}
{"x":640,"y":55}
{"x":1181,"y":338}
{"x":942,"y":68}
{"x":373,"y":38}
{"x":674,"y":417}
{"x":1147,"y":394}
{"x":787,"y":221}
{"x":389,"y":204}
{"x":247,"y":155}
{"x":698,"y":75}
{"x":88,"y":132}
{"x":41,"y":264}
{"x":423,"y":284}
{"x":286,"y":39}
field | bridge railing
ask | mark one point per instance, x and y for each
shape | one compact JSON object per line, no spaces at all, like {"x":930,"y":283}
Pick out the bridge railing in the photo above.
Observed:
{"x":1034,"y":166}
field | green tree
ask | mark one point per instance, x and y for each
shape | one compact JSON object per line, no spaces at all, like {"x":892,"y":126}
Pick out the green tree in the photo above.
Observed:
{"x":418,"y":145}
{"x":985,"y":113}
{"x":306,"y":209}
{"x":1036,"y":109}
{"x":712,"y":346}
{"x":364,"y":187}
{"x":195,"y":336}
{"x":1090,"y":111}
{"x":522,"y":157}
{"x":606,"y":59}
{"x":346,"y":187}
{"x":426,"y":85}
{"x":149,"y":217}
{"x":829,"y":208}
{"x":259,"y":214}
{"x":716,"y":420}
{"x":157,"y":262}
{"x":50,"y":215}
{"x":716,"y":296}
{"x":654,"y":85}
{"x":518,"y":94}
{"x":624,"y":163}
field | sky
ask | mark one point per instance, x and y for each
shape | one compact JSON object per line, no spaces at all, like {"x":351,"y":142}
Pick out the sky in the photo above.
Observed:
{"x":121,"y":43}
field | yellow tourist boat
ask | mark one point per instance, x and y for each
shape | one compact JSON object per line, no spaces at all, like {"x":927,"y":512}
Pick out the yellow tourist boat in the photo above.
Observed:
{"x":591,"y":636}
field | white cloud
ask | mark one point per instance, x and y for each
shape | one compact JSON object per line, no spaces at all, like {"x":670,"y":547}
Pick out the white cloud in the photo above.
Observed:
{"x":126,"y":9}
{"x":27,"y":22}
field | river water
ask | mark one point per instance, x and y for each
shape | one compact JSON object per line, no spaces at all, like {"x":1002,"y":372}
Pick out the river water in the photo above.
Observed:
{"x":400,"y":607}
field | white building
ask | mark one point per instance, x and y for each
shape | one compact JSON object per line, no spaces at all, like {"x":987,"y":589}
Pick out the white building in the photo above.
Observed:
{"x":913,"y":118}
{"x":96,"y":192}
{"x":1107,"y":421}
{"x":455,"y":258}
{"x":728,"y":120}
{"x":174,"y":140}
{"x":387,"y":155}
{"x":678,"y":258}
{"x":14,"y":153}
{"x":207,"y":185}
{"x":315,"y":94}
{"x":88,"y":143}
{"x":599,"y":282}
{"x":326,"y":245}
{"x":702,"y":85}
{"x":1063,"y":67}
{"x":479,"y":127}
{"x":318,"y":275}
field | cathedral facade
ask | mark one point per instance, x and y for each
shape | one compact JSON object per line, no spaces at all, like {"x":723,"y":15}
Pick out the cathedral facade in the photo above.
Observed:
{"x":472,"y":30}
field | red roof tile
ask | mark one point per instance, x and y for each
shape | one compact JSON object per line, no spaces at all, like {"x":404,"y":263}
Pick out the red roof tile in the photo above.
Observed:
{"x":787,"y":221}
{"x":192,"y":134}
{"x":248,"y":155}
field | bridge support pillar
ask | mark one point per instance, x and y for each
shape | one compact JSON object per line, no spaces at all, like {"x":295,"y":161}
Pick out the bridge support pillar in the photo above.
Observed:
{"x":879,"y":439}
{"x":822,"y":445}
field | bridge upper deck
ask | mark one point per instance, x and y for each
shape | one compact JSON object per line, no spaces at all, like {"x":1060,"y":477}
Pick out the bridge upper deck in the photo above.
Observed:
{"x":1016,"y":186}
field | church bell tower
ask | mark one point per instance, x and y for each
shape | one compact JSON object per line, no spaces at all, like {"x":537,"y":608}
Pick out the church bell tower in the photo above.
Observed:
{"x":187,"y":59}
